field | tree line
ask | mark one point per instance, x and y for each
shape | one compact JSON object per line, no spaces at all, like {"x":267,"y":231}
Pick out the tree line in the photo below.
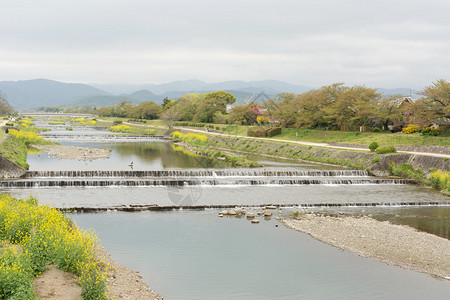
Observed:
{"x":334,"y":106}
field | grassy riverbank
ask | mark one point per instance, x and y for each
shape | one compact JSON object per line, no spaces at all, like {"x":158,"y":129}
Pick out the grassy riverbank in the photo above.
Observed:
{"x":15,"y":150}
{"x":199,"y":144}
{"x":33,"y":237}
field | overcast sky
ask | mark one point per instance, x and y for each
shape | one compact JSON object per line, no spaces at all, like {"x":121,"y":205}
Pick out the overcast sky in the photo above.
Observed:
{"x":379,"y":43}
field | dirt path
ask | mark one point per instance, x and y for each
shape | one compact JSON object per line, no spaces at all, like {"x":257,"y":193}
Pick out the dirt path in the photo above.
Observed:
{"x":57,"y":285}
{"x":392,"y":244}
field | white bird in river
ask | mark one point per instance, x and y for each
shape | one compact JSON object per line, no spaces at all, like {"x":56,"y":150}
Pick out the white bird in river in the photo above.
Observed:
{"x":131,"y":164}
{"x":85,"y":152}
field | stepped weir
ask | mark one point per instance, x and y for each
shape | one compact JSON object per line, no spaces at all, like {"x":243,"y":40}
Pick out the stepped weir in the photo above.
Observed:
{"x":180,"y":178}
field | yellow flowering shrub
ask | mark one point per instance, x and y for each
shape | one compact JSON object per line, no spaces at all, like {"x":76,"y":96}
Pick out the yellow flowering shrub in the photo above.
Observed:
{"x":121,"y":128}
{"x":189,"y":138}
{"x":440,"y":179}
{"x":78,"y":120}
{"x":411,"y":129}
{"x":28,"y":137}
{"x":45,"y":236}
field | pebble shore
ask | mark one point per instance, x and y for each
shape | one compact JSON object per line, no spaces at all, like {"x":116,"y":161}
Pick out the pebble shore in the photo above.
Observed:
{"x":71,"y":152}
{"x":397,"y":245}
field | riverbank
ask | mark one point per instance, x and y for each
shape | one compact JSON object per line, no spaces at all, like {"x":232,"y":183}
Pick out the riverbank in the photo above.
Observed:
{"x":124,"y":283}
{"x":397,"y":245}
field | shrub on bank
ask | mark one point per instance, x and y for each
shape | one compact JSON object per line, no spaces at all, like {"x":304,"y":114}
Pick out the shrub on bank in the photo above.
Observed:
{"x":440,"y":179}
{"x":189,"y":138}
{"x":411,"y":129}
{"x":373,"y":146}
{"x":261,"y":131}
{"x":35,"y":236}
{"x":27,"y":137}
{"x":120,"y":128}
{"x":407,"y":171}
{"x":386,"y":150}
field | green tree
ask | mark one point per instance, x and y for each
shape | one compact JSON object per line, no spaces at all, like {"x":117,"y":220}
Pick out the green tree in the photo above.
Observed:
{"x":434,"y":105}
{"x":5,"y":107}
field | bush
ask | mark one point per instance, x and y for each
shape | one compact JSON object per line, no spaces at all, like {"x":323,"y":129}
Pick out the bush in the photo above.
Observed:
{"x":273,"y":131}
{"x":440,"y":179}
{"x":120,"y":128}
{"x":406,"y":170}
{"x":260,"y":131}
{"x":376,"y":129}
{"x":430,"y":131}
{"x":190,"y":138}
{"x":373,"y":146}
{"x":27,"y":137}
{"x":150,"y":131}
{"x":117,"y":122}
{"x":386,"y":150}
{"x":257,"y":131}
{"x":411,"y":129}
{"x":375,"y":159}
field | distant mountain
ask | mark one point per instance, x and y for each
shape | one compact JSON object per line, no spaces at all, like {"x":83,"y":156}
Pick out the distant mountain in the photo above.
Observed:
{"x":44,"y":92}
{"x":98,"y":101}
{"x":142,"y":95}
{"x":399,"y":91}
{"x":271,"y":86}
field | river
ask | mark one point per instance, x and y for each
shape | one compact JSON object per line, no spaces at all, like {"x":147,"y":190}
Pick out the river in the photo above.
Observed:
{"x":193,"y":254}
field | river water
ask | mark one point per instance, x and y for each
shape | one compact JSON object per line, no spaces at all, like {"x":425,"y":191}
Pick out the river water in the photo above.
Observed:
{"x":190,"y":254}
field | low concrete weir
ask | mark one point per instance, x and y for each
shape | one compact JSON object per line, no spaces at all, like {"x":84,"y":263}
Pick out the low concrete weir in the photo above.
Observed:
{"x":79,"y":137}
{"x":193,"y":182}
{"x":139,"y":208}
{"x":197,"y":173}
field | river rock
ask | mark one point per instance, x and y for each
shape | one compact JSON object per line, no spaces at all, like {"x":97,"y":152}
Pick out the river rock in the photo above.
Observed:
{"x":255,"y":221}
{"x":271,"y":207}
{"x":232,"y":212}
{"x":250,"y":215}
{"x":267,"y":213}
{"x":224,"y":212}
{"x":221,"y":215}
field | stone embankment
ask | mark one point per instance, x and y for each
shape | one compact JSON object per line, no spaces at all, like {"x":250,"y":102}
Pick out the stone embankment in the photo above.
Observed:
{"x":392,"y":244}
{"x":375,"y":163}
{"x":9,"y":169}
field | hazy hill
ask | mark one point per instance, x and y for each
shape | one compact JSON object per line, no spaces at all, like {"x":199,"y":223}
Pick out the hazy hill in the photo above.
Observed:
{"x":198,"y":86}
{"x":44,"y":92}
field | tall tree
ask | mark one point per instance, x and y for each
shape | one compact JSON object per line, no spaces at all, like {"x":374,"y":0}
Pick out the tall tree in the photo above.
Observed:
{"x":5,"y":107}
{"x":434,"y":105}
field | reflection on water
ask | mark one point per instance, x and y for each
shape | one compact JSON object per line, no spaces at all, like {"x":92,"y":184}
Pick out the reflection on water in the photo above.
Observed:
{"x":196,"y":255}
{"x":144,"y":155}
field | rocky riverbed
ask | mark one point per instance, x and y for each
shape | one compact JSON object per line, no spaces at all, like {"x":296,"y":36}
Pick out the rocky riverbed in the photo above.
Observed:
{"x":397,"y":245}
{"x":72,"y":152}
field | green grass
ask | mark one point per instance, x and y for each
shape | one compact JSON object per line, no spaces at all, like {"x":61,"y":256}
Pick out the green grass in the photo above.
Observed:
{"x":362,"y":138}
{"x":15,"y":150}
{"x":351,"y":137}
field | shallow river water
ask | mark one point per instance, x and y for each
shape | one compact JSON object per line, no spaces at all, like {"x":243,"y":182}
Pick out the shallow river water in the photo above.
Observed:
{"x":189,"y":254}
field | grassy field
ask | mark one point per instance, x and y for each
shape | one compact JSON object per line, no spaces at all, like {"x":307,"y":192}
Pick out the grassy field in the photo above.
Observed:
{"x":310,"y":135}
{"x":363,"y":138}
